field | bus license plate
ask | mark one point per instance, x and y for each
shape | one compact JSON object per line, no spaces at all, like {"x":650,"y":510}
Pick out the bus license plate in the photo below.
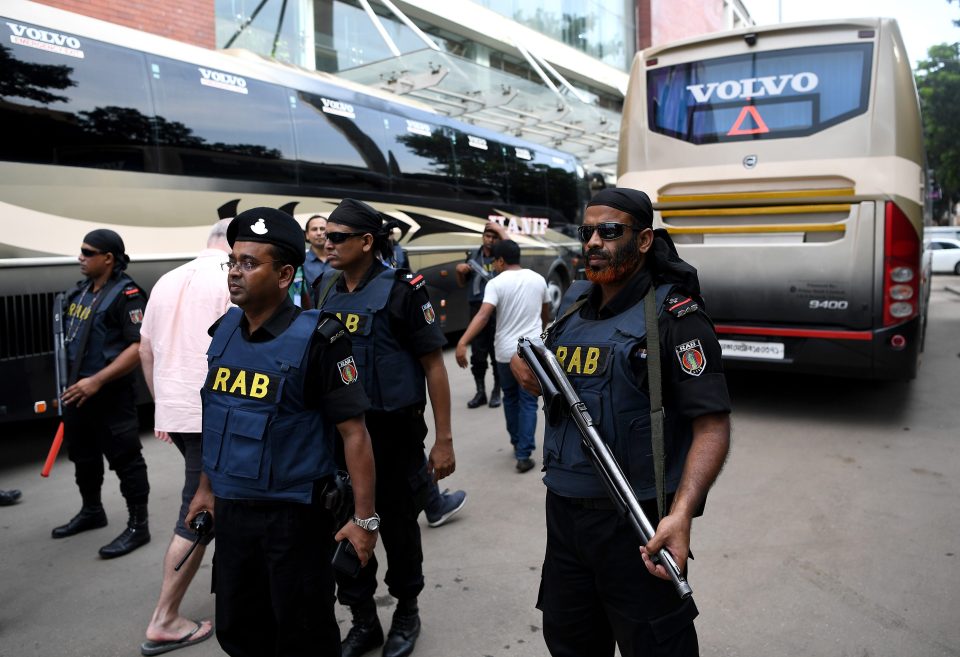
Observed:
{"x":758,"y":350}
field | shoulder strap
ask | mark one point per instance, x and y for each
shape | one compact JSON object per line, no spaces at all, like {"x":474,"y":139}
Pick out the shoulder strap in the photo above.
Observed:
{"x":655,"y":384}
{"x":332,"y":280}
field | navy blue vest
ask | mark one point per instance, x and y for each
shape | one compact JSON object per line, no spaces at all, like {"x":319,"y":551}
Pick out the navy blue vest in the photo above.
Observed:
{"x":596,"y":356}
{"x":104,"y":343}
{"x":260,"y":441}
{"x":392,"y":377}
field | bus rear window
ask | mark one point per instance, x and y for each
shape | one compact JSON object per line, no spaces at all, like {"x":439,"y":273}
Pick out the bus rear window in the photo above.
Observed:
{"x":763,"y":95}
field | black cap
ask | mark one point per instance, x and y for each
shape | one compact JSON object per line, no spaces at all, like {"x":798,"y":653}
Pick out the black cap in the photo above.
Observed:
{"x":269,"y":226}
{"x":632,"y":201}
{"x":109,"y":241}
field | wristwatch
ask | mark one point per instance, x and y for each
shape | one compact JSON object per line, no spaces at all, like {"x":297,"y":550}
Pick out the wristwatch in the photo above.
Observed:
{"x":371,"y":524}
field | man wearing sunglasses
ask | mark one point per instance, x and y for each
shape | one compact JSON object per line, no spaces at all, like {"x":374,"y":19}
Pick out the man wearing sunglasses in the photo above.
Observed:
{"x":102,"y":318}
{"x":598,"y":586}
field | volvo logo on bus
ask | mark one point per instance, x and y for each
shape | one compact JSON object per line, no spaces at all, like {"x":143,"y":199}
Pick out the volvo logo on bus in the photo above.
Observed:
{"x":220,"y":80}
{"x":771,"y":85}
{"x":338,"y":108}
{"x":749,"y":161}
{"x":45,"y":40}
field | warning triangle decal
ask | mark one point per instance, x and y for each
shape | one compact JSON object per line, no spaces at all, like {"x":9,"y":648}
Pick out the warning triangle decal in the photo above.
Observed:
{"x":738,"y":128}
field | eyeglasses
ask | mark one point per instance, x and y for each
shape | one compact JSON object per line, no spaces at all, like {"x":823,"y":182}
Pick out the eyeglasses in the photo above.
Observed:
{"x":244,"y":265}
{"x":340,"y":238}
{"x":608,"y":230}
{"x":89,"y":253}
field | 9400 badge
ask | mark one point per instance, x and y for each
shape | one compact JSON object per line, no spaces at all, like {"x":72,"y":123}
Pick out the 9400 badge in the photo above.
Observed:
{"x":692,"y":360}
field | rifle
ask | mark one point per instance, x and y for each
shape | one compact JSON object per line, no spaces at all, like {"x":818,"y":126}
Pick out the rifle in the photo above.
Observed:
{"x":559,"y":399}
{"x":60,"y":369}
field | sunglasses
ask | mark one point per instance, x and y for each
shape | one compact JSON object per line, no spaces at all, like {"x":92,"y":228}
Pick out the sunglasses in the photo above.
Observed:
{"x":340,"y":238}
{"x":89,"y":253}
{"x":608,"y":230}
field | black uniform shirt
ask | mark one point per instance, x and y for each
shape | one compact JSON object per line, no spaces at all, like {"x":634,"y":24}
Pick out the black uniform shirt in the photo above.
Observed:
{"x":693,"y":387}
{"x":413,"y":320}
{"x":325,"y":389}
{"x":123,"y":318}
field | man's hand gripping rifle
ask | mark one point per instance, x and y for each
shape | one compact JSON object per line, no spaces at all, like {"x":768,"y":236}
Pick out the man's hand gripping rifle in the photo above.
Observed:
{"x":559,"y":399}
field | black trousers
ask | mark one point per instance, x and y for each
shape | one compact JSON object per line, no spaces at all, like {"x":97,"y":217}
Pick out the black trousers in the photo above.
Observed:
{"x":481,"y":348}
{"x":273,"y":579}
{"x":106,"y":426}
{"x":595,"y":590}
{"x":400,"y":497}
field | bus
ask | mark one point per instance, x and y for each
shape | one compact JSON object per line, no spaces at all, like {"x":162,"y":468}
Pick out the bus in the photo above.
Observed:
{"x":105,"y":126}
{"x":787,"y":164}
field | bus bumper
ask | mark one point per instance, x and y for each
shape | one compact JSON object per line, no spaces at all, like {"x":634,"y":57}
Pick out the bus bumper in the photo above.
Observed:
{"x":888,"y":353}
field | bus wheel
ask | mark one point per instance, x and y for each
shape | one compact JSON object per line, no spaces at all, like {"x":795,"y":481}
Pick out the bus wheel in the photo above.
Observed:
{"x":556,"y":286}
{"x":956,"y":269}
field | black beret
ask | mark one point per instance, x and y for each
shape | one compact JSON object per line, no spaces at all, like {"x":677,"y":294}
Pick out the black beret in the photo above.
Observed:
{"x":632,"y":201}
{"x":269,"y":226}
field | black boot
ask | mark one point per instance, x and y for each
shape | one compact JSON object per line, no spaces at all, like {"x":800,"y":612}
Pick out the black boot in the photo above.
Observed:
{"x":480,"y":398}
{"x":365,"y":634}
{"x":135,"y":535}
{"x":91,"y":516}
{"x":404,"y":630}
{"x":495,"y":400}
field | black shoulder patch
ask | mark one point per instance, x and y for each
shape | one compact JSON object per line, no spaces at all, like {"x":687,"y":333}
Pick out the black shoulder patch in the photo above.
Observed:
{"x":679,"y":305}
{"x":131,"y":291}
{"x":330,"y":328}
{"x":414,"y":280}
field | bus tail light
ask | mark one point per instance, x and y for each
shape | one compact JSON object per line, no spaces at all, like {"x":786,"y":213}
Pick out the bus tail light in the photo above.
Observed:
{"x":901,"y":267}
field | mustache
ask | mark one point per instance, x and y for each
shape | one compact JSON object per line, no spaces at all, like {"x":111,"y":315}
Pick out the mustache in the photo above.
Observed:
{"x":596,"y":251}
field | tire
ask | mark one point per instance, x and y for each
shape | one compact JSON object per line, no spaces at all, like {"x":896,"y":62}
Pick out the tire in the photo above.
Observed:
{"x":556,"y":286}
{"x":956,"y":268}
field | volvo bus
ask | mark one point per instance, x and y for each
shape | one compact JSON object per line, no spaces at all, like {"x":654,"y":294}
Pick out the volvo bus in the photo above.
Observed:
{"x":787,"y":164}
{"x":105,"y":126}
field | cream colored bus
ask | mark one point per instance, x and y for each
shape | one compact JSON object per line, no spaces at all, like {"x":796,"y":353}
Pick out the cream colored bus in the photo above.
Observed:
{"x":104,"y":126}
{"x":787,"y":164}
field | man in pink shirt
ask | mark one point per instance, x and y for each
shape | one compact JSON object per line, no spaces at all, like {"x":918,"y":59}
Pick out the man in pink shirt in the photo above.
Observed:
{"x":173,"y":353}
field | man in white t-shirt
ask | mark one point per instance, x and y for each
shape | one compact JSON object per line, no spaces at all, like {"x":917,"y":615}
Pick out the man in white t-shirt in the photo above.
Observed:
{"x":519,"y":297}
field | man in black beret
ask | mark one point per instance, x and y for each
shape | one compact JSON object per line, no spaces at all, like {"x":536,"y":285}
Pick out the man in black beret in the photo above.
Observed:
{"x":102,"y":318}
{"x":280,"y":380}
{"x":598,"y":587}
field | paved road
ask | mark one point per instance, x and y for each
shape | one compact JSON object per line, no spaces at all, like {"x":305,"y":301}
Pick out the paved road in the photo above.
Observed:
{"x":832,"y":532}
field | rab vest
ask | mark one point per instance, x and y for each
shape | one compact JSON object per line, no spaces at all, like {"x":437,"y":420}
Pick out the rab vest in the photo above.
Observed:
{"x":260,"y":441}
{"x":596,"y":356}
{"x":392,"y":377}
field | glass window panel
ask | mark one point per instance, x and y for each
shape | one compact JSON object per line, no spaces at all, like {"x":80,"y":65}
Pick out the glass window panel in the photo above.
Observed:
{"x":212,"y":123}
{"x":420,"y":156}
{"x":480,"y":168}
{"x":338,"y":144}
{"x":81,"y":103}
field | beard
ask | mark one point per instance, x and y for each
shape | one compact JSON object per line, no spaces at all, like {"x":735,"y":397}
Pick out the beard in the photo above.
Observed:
{"x":621,"y":264}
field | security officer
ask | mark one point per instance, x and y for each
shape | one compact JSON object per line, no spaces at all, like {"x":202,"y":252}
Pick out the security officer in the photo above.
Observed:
{"x":397,"y":344}
{"x":279,"y":380}
{"x":102,"y":334}
{"x":469,"y":273}
{"x":598,"y":586}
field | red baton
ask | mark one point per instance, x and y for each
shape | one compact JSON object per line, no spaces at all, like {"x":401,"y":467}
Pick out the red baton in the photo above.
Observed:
{"x":54,"y":450}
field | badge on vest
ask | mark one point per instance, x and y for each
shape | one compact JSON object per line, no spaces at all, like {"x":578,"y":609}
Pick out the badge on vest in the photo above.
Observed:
{"x":428,"y":313}
{"x":583,"y":360}
{"x":247,"y":384}
{"x":691,"y":357}
{"x":355,"y":322}
{"x":348,"y":370}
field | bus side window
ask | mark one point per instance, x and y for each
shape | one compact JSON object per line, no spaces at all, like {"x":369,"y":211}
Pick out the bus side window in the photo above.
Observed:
{"x":528,"y":179}
{"x":480,"y":168}
{"x":338,"y":143}
{"x":214,"y":124}
{"x":74,"y":110}
{"x":420,"y":156}
{"x":563,"y":189}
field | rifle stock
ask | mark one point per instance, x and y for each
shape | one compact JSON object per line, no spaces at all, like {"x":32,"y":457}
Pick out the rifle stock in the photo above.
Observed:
{"x":560,"y":398}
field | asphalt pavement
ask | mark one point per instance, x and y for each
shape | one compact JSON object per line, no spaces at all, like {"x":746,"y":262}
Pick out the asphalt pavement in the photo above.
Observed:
{"x":831,"y":532}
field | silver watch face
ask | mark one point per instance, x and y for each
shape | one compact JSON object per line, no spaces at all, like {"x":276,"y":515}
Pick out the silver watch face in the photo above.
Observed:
{"x":373,"y":524}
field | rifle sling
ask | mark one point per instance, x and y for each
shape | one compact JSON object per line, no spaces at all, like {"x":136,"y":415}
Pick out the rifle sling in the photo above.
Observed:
{"x":655,"y":383}
{"x":326,"y":290}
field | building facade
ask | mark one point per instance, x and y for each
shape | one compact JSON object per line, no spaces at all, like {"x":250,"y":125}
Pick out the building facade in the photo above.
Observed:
{"x":553,"y":71}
